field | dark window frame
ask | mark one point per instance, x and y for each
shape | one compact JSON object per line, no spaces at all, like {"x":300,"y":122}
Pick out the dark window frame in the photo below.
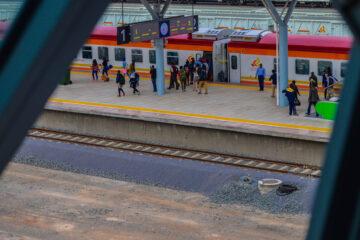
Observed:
{"x":234,"y":67}
{"x":137,"y":55}
{"x":152,"y":56}
{"x":100,"y":53}
{"x":306,"y":70}
{"x":343,"y":69}
{"x":321,"y":72}
{"x":172,"y":58}
{"x":121,"y":54}
{"x":88,"y":51}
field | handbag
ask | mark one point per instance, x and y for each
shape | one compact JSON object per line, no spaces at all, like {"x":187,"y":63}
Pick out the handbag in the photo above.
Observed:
{"x":297,"y":102}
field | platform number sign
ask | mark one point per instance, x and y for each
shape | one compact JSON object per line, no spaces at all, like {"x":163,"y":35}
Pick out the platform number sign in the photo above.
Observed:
{"x":123,"y":34}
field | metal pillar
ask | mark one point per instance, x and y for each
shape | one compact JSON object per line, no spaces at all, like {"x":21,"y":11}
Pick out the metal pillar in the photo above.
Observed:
{"x":158,"y":13}
{"x":160,"y":72}
{"x":282,"y":62}
{"x":282,"y":25}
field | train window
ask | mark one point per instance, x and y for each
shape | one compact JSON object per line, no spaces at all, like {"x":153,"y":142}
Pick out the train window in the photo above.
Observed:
{"x":172,"y":58}
{"x":198,"y":56}
{"x":322,"y":66}
{"x":103,"y":52}
{"x":152,"y":56}
{"x":234,"y":62}
{"x":343,"y":67}
{"x":136,"y":55}
{"x":120,"y":54}
{"x":302,"y":66}
{"x":87,"y":52}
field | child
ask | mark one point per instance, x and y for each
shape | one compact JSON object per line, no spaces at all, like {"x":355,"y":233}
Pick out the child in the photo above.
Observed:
{"x":291,"y":95}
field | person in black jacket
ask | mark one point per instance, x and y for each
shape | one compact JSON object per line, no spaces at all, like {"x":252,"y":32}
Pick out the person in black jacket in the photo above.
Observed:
{"x":291,"y":95}
{"x":153,"y":77}
{"x":273,"y":79}
{"x":120,"y":80}
{"x":313,"y":97}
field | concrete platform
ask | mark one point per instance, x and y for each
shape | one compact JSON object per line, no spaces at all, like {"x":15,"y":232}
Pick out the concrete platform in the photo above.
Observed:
{"x":231,"y":119}
{"x":226,"y":106}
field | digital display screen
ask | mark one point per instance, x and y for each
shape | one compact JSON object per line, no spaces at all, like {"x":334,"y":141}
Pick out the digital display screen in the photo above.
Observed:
{"x":183,"y":25}
{"x":144,"y":31}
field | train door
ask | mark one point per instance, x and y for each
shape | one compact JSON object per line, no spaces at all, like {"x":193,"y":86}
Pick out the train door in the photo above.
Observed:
{"x":234,"y":67}
{"x":220,"y":63}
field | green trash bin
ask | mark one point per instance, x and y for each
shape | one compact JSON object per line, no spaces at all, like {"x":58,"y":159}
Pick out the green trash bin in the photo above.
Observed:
{"x":327,"y":109}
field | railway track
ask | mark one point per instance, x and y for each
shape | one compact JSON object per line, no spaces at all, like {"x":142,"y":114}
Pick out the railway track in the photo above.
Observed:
{"x":114,"y":144}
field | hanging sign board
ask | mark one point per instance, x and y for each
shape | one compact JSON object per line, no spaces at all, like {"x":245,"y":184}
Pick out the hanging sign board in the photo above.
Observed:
{"x":155,"y":29}
{"x":183,"y":25}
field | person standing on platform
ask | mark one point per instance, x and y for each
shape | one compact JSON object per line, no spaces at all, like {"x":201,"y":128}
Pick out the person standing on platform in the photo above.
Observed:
{"x":273,"y":79}
{"x":95,"y":69}
{"x":132,"y":67}
{"x":196,"y":79}
{"x":134,"y":82}
{"x":260,"y":74}
{"x":153,"y":77}
{"x":297,"y":92}
{"x":191,"y":70}
{"x":202,"y":82}
{"x":290,"y":94}
{"x":173,"y":77}
{"x":186,"y":68}
{"x":313,"y":98}
{"x":313,"y":78}
{"x":105,"y":67}
{"x":183,"y":78}
{"x":120,"y":80}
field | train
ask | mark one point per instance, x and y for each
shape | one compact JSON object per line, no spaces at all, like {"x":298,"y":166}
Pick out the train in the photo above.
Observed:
{"x":301,"y":3}
{"x":234,"y":54}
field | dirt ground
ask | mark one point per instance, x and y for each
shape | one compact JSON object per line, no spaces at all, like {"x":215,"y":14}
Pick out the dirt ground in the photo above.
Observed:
{"x":38,"y":203}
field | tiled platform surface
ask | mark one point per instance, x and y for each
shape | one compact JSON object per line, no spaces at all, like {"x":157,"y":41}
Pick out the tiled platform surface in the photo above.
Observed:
{"x":234,"y":107}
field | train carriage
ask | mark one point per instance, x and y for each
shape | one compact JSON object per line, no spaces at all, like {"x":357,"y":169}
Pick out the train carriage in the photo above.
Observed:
{"x":236,"y":54}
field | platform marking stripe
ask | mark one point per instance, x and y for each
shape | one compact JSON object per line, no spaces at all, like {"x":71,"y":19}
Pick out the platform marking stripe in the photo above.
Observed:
{"x":194,"y":115}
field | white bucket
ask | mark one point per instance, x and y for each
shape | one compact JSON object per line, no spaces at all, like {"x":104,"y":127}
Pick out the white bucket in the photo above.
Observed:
{"x":267,"y":184}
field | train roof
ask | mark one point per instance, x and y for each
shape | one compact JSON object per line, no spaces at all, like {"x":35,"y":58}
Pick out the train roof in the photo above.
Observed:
{"x":301,"y":43}
{"x":268,"y":41}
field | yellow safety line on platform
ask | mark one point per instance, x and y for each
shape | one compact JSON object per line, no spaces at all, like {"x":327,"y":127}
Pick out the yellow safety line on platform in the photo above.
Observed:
{"x":194,"y":115}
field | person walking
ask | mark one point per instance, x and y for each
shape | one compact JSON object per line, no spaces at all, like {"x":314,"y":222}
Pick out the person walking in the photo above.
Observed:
{"x":313,"y":78}
{"x":290,"y":94}
{"x":260,"y":74}
{"x":134,"y":82}
{"x":191,"y":70}
{"x":196,"y":79}
{"x":202,"y":82}
{"x":95,"y":69}
{"x":173,"y":77}
{"x":328,"y":85}
{"x":120,"y":80}
{"x":105,"y":67}
{"x":273,"y":79}
{"x":153,"y":77}
{"x":183,"y":78}
{"x":313,"y":98}
{"x":297,"y":92}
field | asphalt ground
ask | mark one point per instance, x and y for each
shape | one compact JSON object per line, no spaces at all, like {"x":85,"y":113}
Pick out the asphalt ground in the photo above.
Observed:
{"x":222,"y":184}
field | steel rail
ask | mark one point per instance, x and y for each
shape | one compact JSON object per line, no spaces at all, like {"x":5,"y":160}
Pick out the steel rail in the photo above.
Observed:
{"x":204,"y":156}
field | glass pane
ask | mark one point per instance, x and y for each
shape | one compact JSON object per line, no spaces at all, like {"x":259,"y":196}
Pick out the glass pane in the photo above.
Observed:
{"x":103,"y":53}
{"x":172,"y":54}
{"x":233,"y":62}
{"x":120,"y":54}
{"x":87,"y":52}
{"x":302,"y":66}
{"x":173,"y":60}
{"x":152,"y":56}
{"x":324,"y":66}
{"x":136,"y":55}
